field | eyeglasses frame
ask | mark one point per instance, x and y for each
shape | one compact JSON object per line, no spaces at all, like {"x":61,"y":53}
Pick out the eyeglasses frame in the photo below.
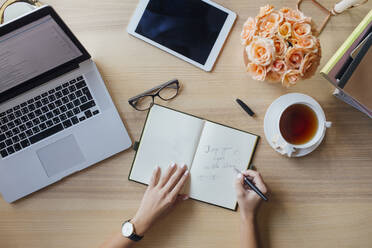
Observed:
{"x":132,"y":101}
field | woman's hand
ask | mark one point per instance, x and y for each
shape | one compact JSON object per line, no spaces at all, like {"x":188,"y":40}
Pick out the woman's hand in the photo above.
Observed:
{"x":160,"y":196}
{"x":248,"y":200}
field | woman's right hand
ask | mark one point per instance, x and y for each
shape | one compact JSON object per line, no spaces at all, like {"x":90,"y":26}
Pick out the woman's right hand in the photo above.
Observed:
{"x":248,"y":200}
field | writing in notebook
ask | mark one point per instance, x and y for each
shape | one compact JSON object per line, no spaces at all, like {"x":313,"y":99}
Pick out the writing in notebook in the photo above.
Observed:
{"x":210,"y":150}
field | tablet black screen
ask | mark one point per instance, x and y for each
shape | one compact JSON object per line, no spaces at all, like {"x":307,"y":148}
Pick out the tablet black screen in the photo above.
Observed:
{"x":189,"y":27}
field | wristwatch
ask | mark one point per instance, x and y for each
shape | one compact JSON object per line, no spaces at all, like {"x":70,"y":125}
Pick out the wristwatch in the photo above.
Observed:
{"x":127,"y":230}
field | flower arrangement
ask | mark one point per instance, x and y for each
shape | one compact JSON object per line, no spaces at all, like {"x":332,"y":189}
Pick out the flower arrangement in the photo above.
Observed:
{"x":280,"y":46}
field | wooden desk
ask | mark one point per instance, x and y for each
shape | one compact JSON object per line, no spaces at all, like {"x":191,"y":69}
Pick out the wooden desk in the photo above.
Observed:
{"x":322,"y":200}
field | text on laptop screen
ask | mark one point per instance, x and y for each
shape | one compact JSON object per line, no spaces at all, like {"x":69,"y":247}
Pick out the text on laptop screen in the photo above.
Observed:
{"x":32,"y":50}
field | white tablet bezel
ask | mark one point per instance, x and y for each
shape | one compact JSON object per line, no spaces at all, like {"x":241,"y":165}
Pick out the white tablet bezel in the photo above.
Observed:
{"x":231,"y":16}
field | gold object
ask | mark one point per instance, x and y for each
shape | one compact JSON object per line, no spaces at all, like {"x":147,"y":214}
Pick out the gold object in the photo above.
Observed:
{"x":10,"y":2}
{"x":322,"y":8}
{"x":332,"y":12}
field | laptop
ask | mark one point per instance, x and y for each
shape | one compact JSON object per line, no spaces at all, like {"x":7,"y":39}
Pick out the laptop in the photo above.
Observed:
{"x":56,"y":115}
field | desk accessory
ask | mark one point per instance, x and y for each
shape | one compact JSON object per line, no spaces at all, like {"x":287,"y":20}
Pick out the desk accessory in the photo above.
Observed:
{"x":192,"y":30}
{"x":279,"y":46}
{"x":363,"y":43}
{"x":128,"y":231}
{"x":336,"y":63}
{"x":272,"y":129}
{"x":14,"y":8}
{"x":245,"y":107}
{"x":251,"y":185}
{"x":343,"y":5}
{"x":352,"y":102}
{"x":356,"y":80}
{"x":338,"y":8}
{"x":348,"y":70}
{"x":346,"y":58}
{"x":209,"y":149}
{"x":166,"y":91}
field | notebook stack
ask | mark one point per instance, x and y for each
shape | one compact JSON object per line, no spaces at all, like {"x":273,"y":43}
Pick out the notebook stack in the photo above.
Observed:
{"x":350,"y":68}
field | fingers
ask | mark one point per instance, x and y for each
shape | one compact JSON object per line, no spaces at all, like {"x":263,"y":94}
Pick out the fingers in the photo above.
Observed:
{"x":155,"y":177}
{"x":165,"y":178}
{"x":257,"y":180}
{"x":181,"y":198}
{"x":181,"y":182}
{"x":175,"y":178}
{"x":239,"y":185}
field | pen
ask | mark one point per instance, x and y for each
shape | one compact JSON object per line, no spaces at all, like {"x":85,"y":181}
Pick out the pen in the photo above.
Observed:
{"x":245,"y":107}
{"x":252,"y":186}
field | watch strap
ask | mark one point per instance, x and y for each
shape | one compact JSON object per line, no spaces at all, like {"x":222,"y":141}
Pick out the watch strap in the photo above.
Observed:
{"x":134,"y":236}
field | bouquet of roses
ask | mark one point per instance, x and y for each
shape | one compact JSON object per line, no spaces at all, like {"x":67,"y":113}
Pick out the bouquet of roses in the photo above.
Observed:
{"x":280,"y":46}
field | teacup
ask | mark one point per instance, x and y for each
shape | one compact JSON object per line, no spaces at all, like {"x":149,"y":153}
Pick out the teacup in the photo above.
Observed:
{"x":300,"y":126}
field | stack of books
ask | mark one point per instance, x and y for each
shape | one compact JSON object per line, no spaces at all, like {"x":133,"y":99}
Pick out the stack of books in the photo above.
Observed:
{"x":350,"y":68}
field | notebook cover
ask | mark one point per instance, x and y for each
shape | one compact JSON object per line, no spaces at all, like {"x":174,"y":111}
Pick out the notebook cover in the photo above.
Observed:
{"x":143,"y":129}
{"x":355,"y":52}
{"x":352,"y":102}
{"x":349,"y":41}
{"x":340,"y":64}
{"x":356,"y":82}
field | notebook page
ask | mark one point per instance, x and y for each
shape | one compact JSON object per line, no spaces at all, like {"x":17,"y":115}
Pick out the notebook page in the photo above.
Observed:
{"x":220,"y":150}
{"x":169,"y":136}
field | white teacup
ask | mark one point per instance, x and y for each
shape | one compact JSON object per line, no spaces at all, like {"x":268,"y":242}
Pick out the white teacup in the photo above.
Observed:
{"x":284,"y":147}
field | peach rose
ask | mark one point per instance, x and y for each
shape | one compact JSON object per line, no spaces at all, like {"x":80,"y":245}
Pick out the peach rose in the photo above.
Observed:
{"x":268,"y":25}
{"x":294,"y":57}
{"x":273,"y":77}
{"x":292,"y":15}
{"x":265,"y":10}
{"x":280,"y":46}
{"x":279,"y":66}
{"x":285,"y":30}
{"x":308,"y":42}
{"x":285,"y":11}
{"x":293,"y":41}
{"x":258,"y":72}
{"x":261,"y":51}
{"x":290,"y":78}
{"x":307,"y":19}
{"x":301,"y":29}
{"x":319,"y":49}
{"x":309,"y":65}
{"x":249,"y":30}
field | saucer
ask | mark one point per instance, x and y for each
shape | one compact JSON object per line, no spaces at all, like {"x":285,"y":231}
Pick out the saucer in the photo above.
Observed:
{"x":272,"y":115}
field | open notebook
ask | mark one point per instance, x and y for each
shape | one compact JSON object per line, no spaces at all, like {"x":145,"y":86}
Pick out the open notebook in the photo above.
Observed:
{"x":210,"y":150}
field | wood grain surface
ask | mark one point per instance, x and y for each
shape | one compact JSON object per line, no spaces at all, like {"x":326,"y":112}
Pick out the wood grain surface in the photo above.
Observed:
{"x":321,"y":200}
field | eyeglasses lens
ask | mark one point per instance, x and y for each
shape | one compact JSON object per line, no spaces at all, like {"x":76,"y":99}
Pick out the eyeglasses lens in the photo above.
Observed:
{"x":169,"y":92}
{"x":144,"y":103}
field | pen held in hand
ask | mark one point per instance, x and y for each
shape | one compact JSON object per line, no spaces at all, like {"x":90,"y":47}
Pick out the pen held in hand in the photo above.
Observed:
{"x":252,"y":186}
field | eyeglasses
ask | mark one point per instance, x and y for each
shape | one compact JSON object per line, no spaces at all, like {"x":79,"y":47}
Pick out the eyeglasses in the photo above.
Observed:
{"x":166,"y":92}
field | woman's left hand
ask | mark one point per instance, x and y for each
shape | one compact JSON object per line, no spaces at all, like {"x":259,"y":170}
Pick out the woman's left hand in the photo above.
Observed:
{"x":160,"y":196}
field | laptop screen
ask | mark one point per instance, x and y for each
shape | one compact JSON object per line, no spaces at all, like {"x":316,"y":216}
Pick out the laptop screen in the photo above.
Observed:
{"x":32,"y":50}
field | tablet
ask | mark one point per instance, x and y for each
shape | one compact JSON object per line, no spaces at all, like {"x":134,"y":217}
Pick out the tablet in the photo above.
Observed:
{"x":192,"y":30}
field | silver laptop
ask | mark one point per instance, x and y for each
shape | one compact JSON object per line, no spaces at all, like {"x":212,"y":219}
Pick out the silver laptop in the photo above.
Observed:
{"x":56,"y":115}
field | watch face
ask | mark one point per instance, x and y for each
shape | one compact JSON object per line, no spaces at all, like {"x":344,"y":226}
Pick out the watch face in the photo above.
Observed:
{"x":127,"y":229}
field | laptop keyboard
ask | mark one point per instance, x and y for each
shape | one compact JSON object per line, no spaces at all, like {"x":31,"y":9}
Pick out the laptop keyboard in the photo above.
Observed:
{"x":44,"y":115}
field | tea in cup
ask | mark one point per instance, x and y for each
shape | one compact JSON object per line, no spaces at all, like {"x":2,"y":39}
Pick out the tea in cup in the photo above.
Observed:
{"x":300,"y":126}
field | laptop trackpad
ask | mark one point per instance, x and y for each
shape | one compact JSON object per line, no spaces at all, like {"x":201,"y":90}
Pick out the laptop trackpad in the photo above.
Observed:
{"x":60,"y":155}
